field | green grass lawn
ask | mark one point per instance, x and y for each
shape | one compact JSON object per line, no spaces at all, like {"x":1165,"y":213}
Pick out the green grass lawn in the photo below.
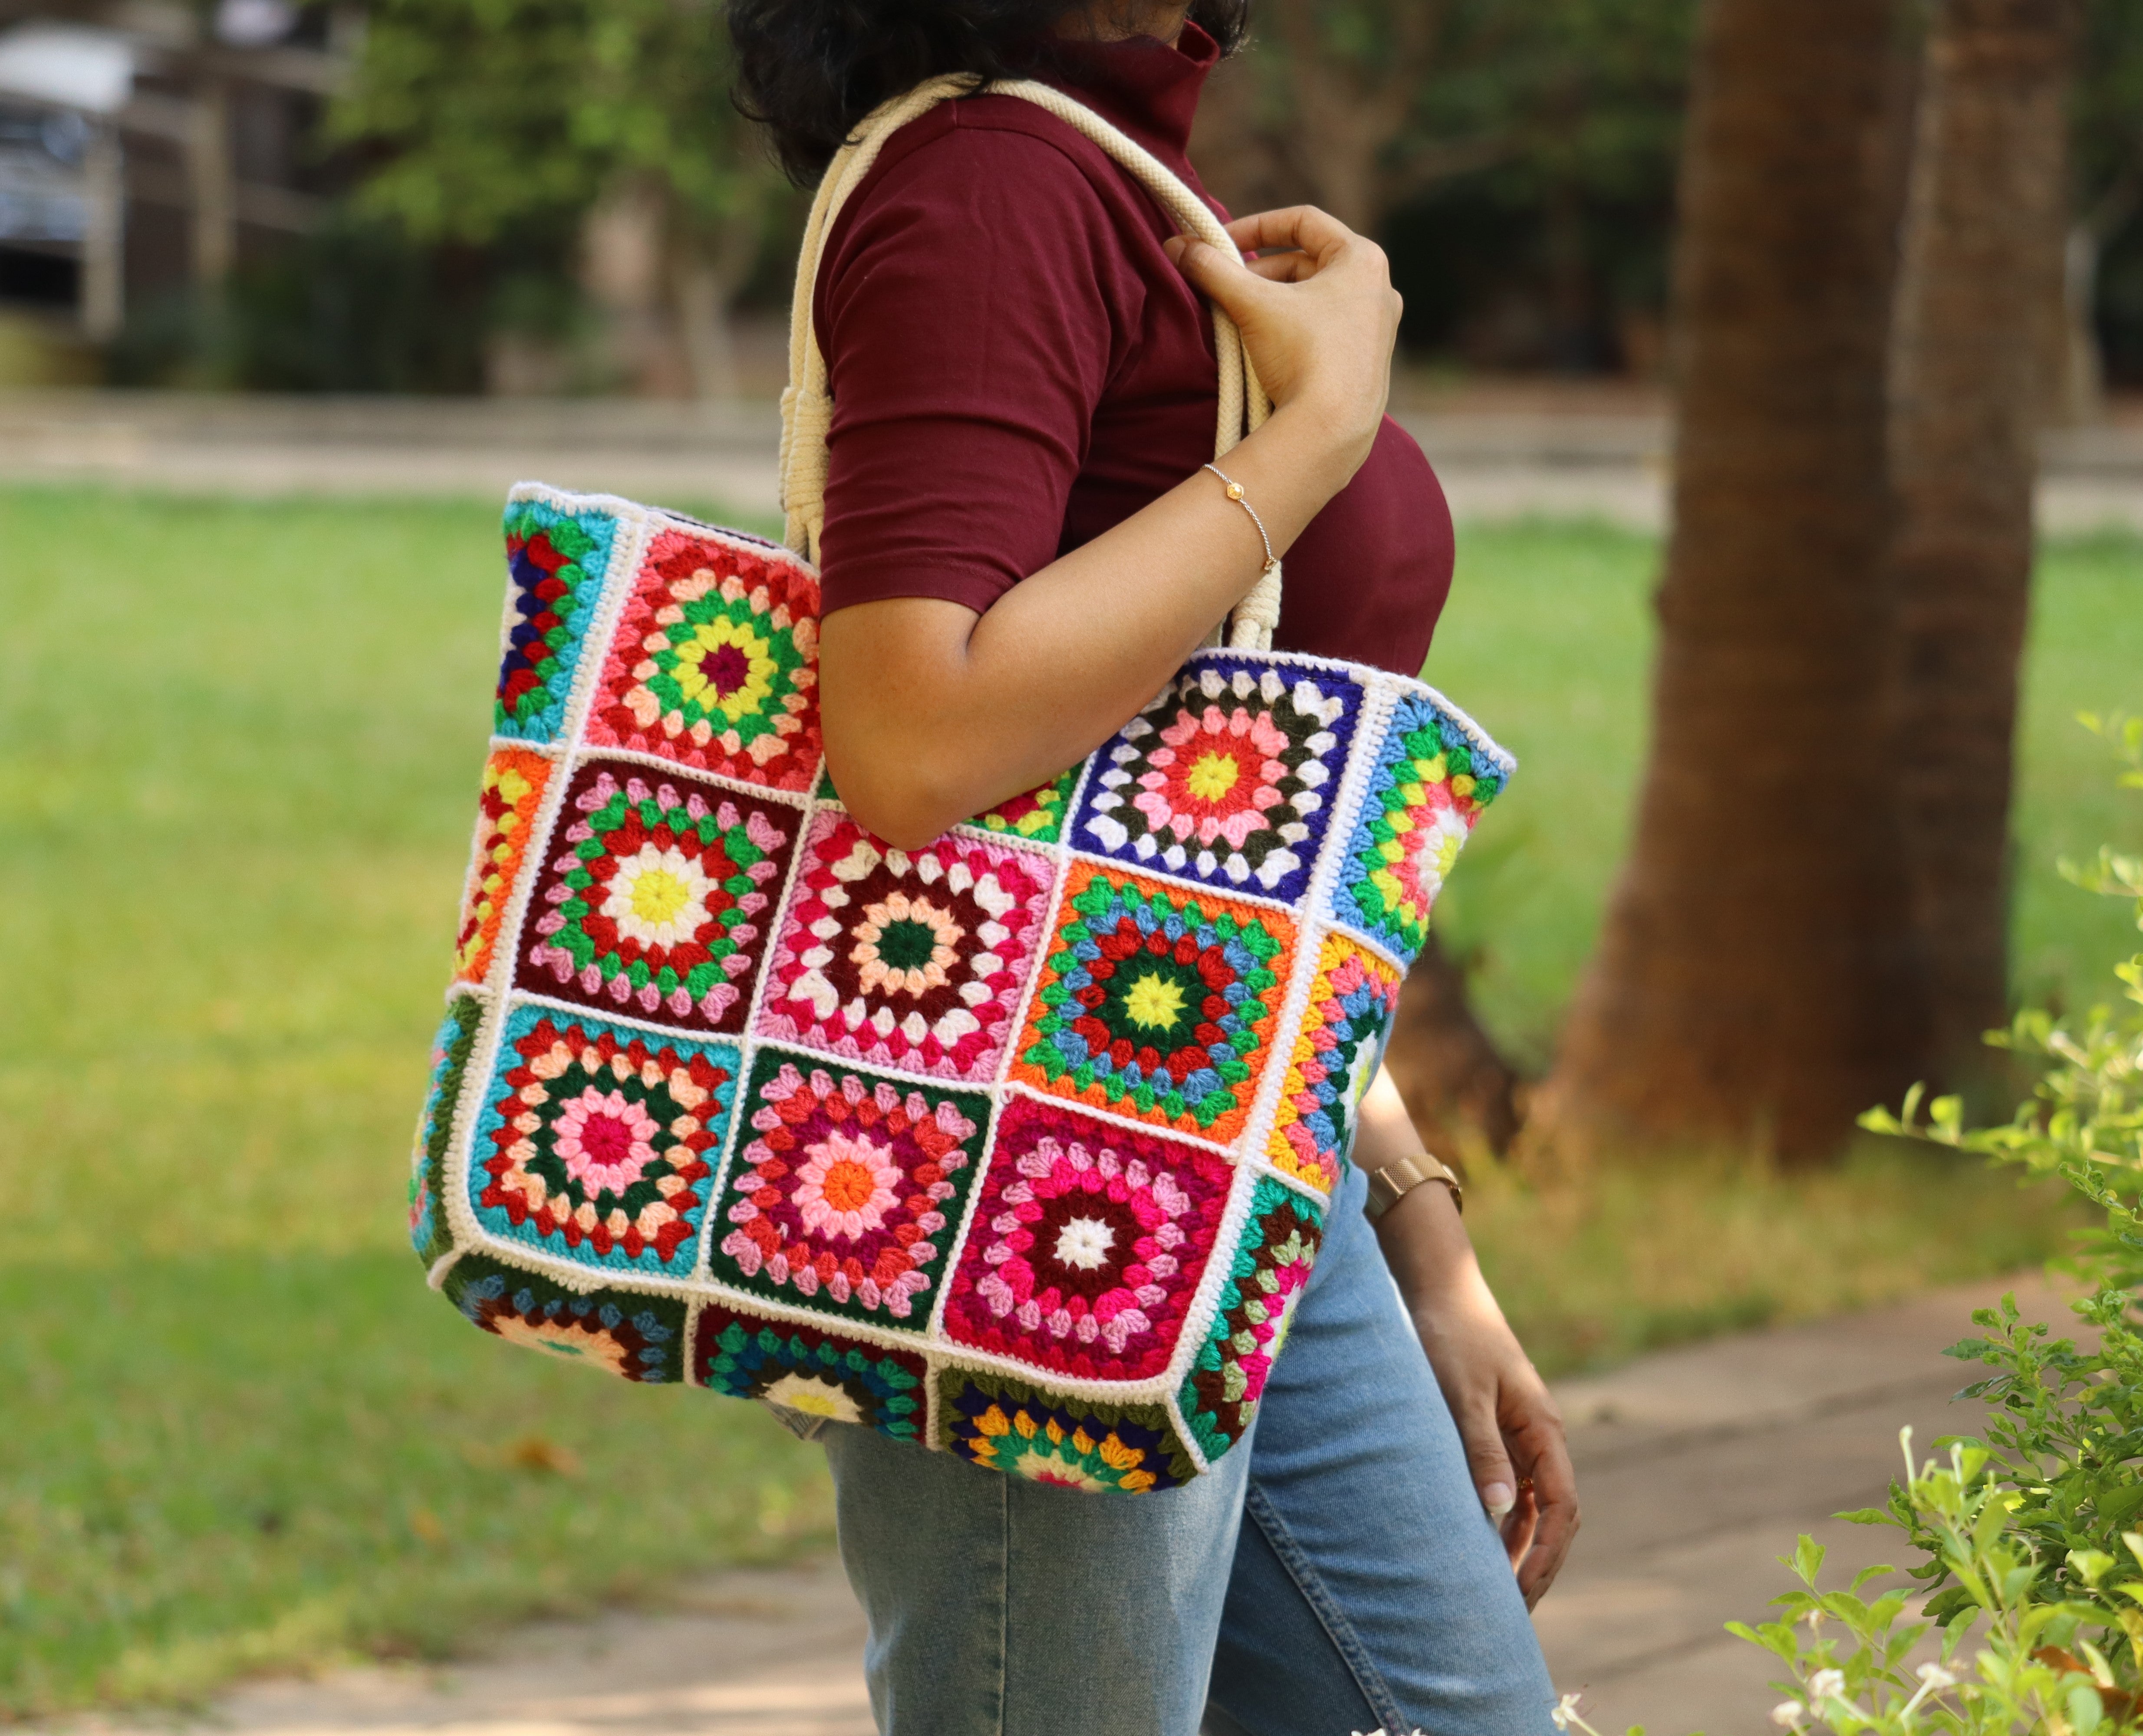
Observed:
{"x":1547,"y":642}
{"x":239,"y":747}
{"x":236,"y":754}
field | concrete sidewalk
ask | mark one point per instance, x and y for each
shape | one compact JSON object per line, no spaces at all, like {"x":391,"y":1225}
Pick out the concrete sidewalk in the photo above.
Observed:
{"x":1697,"y":1467}
{"x":1593,"y":456}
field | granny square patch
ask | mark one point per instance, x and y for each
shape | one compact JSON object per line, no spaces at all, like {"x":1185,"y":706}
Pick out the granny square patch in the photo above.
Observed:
{"x":1228,"y":777}
{"x":714,"y":663}
{"x":1428,"y":784}
{"x":915,"y":959}
{"x":514,"y":780}
{"x":1265,"y":1281}
{"x":1008,"y":1426}
{"x":658,"y":898}
{"x":804,"y":1369}
{"x":846,"y":1189}
{"x":1353,"y":999}
{"x":556,"y":562}
{"x":598,"y":1142}
{"x":621,"y":1332}
{"x":1038,"y":815}
{"x":435,"y":1126}
{"x":1088,"y":1242}
{"x":1156,"y":1002}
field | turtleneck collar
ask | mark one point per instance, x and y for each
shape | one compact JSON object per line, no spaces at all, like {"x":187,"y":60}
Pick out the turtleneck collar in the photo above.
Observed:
{"x":1146,"y":86}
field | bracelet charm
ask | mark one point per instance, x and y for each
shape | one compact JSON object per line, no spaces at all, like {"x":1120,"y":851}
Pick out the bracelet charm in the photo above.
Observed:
{"x":1233,"y":490}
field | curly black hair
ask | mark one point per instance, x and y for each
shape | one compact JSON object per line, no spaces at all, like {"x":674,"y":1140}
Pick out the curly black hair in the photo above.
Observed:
{"x":809,"y":70}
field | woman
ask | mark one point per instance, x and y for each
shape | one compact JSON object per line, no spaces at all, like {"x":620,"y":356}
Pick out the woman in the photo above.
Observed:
{"x":1020,"y":546}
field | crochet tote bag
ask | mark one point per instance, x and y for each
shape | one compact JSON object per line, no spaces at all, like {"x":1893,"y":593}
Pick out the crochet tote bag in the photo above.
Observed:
{"x":1019,"y":1145}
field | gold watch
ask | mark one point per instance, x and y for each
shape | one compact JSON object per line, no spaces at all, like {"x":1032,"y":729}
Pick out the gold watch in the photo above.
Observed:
{"x":1395,"y":1180}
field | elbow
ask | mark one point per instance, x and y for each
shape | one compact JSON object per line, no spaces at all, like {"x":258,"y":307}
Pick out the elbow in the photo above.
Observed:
{"x":900,"y":804}
{"x":908,"y":829}
{"x":897,"y":709}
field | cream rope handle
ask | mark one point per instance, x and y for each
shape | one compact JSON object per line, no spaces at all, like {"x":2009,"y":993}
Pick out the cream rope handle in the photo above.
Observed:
{"x":807,"y":406}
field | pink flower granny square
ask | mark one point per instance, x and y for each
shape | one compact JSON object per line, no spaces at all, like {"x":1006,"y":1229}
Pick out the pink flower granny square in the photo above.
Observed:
{"x":1087,"y":1244}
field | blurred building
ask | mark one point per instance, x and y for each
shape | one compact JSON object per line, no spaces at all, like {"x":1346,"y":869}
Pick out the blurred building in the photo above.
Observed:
{"x":148,"y":146}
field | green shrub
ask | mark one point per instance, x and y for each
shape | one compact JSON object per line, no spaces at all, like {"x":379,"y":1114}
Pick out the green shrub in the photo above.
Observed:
{"x":2032,"y":1538}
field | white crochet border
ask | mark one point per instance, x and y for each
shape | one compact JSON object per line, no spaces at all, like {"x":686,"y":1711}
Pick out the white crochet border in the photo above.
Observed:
{"x":1312,"y":918}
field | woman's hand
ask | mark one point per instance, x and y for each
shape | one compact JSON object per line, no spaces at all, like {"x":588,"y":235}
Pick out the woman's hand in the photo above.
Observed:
{"x":1317,"y":315}
{"x":1507,"y":1419}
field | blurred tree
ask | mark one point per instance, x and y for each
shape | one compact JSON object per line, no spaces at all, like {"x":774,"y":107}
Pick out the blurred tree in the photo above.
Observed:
{"x":1597,"y":91}
{"x":2107,"y":142}
{"x":491,"y":116}
{"x":1558,"y":119}
{"x":1757,"y":980}
{"x":1329,"y":105}
{"x":1981,"y":268}
{"x":1588,"y":97}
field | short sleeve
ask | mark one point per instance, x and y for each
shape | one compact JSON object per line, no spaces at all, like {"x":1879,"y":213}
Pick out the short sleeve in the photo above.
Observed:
{"x":970,"y":309}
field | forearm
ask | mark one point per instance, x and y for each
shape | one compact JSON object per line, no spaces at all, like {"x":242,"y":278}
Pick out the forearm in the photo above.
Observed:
{"x":933,"y":713}
{"x":1507,"y":1419}
{"x":1423,"y":1236}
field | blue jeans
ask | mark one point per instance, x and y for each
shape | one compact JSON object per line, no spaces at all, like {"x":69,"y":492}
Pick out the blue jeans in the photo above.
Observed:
{"x":1331,"y":1574}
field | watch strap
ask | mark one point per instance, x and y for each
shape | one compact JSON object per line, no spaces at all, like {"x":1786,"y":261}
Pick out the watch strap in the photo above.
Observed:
{"x":1392,"y":1182}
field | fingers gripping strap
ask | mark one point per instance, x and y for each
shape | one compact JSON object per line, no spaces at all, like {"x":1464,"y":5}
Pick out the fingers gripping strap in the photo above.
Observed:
{"x":807,"y":408}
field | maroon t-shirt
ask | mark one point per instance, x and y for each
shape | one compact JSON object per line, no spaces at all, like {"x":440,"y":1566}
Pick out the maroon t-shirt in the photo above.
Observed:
{"x":1016,"y":367}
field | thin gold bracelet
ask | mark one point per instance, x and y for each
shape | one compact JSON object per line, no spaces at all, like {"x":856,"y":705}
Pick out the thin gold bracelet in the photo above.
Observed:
{"x":1235,"y":494}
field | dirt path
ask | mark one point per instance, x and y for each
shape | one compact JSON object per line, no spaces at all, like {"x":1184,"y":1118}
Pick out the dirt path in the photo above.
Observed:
{"x":1580,"y":460}
{"x":1698,"y":1467}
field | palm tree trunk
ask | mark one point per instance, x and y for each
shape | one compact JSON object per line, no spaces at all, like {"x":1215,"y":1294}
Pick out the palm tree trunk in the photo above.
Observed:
{"x":1757,"y":978}
{"x":1983,"y":266}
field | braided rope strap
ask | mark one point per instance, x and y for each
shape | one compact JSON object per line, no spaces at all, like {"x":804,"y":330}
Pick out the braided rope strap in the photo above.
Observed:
{"x":807,"y":405}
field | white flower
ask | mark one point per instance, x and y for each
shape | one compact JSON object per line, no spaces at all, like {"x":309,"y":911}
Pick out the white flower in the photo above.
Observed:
{"x":1936,"y":1677}
{"x":1826,"y":1684}
{"x":1789,"y":1714}
{"x":1566,"y":1713}
{"x":1084,"y":1242}
{"x":659,"y":898}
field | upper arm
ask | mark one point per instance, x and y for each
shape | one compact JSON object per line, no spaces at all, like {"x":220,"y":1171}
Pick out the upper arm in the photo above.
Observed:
{"x":969,"y":327}
{"x":971,"y":316}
